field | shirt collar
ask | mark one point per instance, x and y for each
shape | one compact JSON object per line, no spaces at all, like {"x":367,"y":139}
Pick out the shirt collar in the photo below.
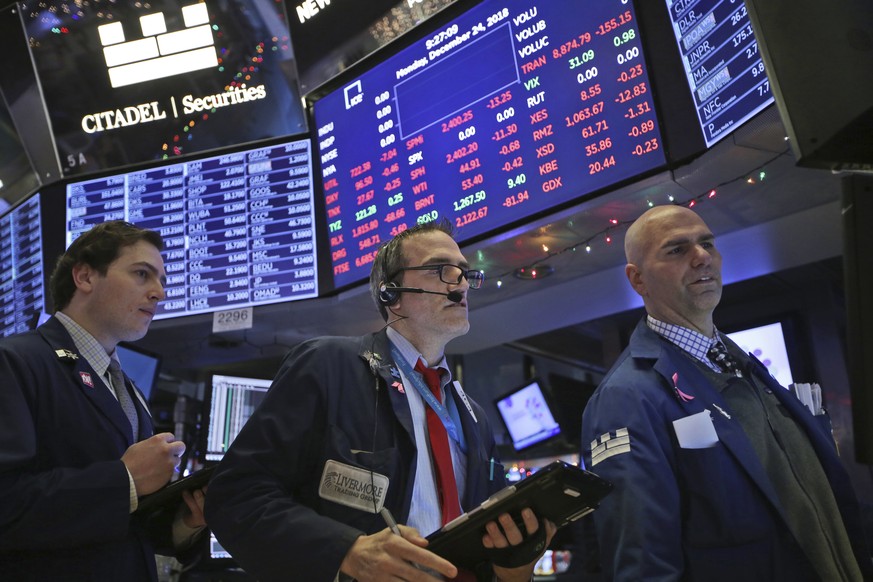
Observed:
{"x":412,"y":355}
{"x":693,"y":342}
{"x":86,"y":344}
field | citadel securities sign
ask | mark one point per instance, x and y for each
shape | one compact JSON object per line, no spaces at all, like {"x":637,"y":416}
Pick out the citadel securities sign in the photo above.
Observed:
{"x":131,"y":82}
{"x":146,"y":112}
{"x":158,"y":54}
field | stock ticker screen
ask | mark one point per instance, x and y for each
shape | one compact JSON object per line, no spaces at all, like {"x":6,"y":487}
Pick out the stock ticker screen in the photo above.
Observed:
{"x":22,"y":299}
{"x":722,"y":63}
{"x":238,"y":228}
{"x":509,"y":110}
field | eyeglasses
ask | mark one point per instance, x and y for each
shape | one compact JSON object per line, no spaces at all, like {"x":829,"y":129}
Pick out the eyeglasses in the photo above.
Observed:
{"x":450,"y":274}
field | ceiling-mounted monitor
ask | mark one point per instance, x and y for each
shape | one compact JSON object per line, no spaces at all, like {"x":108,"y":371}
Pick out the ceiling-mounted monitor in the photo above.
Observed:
{"x":238,"y":228}
{"x":132,"y":82}
{"x":17,"y":176}
{"x":819,"y":56}
{"x":22,"y":293}
{"x":488,"y":118}
{"x":722,"y":63}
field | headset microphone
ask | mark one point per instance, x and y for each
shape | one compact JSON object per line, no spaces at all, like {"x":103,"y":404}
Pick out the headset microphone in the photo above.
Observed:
{"x":453,"y":296}
{"x":390,"y":294}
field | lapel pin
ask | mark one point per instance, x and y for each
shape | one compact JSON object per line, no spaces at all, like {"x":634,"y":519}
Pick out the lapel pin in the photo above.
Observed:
{"x":679,"y":394}
{"x":66,"y":355}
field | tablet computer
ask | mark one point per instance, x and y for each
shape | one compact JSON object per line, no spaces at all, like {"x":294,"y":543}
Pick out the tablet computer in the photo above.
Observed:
{"x":559,"y":492}
{"x":171,"y":494}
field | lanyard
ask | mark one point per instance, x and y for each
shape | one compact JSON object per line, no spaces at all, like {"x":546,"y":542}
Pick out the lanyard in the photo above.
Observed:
{"x":417,"y":381}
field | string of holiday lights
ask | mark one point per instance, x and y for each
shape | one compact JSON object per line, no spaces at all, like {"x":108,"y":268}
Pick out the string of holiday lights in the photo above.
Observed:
{"x":529,"y":271}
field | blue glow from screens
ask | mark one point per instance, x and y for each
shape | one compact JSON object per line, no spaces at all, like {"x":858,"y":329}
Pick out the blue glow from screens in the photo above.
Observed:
{"x":140,"y":367}
{"x":767,"y":343}
{"x":527,"y":416}
{"x":500,"y":114}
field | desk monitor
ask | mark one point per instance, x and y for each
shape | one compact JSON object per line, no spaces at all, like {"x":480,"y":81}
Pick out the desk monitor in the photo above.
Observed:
{"x":527,"y":416}
{"x":229,"y":402}
{"x":767,"y":343}
{"x":141,"y":366}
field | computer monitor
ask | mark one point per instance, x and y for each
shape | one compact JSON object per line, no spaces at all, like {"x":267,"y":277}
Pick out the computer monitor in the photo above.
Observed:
{"x":141,"y":366}
{"x":230,"y":401}
{"x":527,"y":416}
{"x":767,"y":343}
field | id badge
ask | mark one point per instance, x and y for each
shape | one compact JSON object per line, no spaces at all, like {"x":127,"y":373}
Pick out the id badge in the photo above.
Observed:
{"x":353,"y":487}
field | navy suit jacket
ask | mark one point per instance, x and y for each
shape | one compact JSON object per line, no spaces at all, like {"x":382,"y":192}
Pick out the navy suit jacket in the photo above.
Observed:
{"x":696,"y":514}
{"x":64,"y":492}
{"x":326,"y":403}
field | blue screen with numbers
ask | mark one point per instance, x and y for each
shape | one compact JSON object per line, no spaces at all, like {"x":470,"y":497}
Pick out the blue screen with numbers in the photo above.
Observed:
{"x":509,"y":110}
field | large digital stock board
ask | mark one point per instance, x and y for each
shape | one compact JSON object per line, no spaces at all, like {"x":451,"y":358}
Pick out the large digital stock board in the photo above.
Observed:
{"x":724,"y":68}
{"x":511,"y":109}
{"x":132,"y":82}
{"x":22,"y":297}
{"x":238,"y":228}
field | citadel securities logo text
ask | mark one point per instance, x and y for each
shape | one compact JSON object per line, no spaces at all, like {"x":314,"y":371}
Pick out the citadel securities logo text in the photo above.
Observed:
{"x":152,"y":111}
{"x":159,"y":54}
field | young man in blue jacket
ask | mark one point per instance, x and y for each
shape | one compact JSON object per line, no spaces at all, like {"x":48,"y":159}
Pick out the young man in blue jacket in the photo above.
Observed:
{"x":77,"y":448}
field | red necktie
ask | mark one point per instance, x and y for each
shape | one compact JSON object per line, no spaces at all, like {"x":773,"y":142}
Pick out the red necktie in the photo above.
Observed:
{"x":439,"y":446}
{"x":442,"y":459}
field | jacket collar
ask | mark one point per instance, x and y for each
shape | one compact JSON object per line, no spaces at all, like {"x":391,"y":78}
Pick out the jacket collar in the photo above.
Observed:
{"x":84,"y":377}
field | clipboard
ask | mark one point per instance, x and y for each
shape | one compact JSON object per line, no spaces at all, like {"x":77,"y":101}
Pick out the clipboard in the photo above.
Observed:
{"x":170,"y":495}
{"x":559,"y":492}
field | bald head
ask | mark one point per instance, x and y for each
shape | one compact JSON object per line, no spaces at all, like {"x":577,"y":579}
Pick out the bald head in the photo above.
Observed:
{"x":642,"y":233}
{"x":673,"y":264}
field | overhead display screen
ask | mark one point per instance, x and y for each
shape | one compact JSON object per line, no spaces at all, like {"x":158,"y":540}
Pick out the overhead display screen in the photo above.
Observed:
{"x":131,"y":82}
{"x":724,"y":69}
{"x":22,"y":298}
{"x":511,"y":109}
{"x":238,"y":228}
{"x":17,"y":177}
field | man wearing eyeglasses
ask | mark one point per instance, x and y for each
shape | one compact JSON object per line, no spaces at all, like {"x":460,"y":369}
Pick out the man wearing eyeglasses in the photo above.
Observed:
{"x":351,"y":423}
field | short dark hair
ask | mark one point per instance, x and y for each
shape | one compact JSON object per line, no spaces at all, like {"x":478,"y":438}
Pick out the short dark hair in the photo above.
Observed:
{"x":390,"y":258}
{"x":98,"y":248}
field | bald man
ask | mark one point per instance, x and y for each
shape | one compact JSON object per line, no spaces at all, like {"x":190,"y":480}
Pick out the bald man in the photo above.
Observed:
{"x":720,"y":473}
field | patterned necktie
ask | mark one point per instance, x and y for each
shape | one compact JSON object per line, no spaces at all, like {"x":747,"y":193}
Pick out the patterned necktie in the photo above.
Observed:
{"x":124,"y":397}
{"x":719,"y":355}
{"x":439,"y":446}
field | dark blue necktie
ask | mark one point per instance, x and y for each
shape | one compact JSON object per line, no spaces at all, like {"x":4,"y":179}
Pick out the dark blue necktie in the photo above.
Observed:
{"x":721,"y":357}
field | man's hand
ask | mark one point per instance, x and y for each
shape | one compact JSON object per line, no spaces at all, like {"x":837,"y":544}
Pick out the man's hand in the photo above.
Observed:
{"x":152,"y":462}
{"x":503,"y":533}
{"x":385,"y":555}
{"x":194,"y":518}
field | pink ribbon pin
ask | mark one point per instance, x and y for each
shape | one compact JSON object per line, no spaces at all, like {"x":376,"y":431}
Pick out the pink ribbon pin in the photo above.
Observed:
{"x":682,"y":396}
{"x":399,"y":387}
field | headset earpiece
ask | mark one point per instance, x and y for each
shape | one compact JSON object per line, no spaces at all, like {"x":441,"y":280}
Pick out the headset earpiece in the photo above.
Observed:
{"x":387,"y":295}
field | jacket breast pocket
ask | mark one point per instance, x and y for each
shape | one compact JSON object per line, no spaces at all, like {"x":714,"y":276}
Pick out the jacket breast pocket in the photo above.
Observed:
{"x":386,"y":462}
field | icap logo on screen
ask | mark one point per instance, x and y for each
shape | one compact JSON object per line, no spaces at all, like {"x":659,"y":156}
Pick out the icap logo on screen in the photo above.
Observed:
{"x":159,"y":53}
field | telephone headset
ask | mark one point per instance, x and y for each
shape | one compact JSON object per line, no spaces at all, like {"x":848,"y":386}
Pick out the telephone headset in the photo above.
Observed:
{"x":389,"y":293}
